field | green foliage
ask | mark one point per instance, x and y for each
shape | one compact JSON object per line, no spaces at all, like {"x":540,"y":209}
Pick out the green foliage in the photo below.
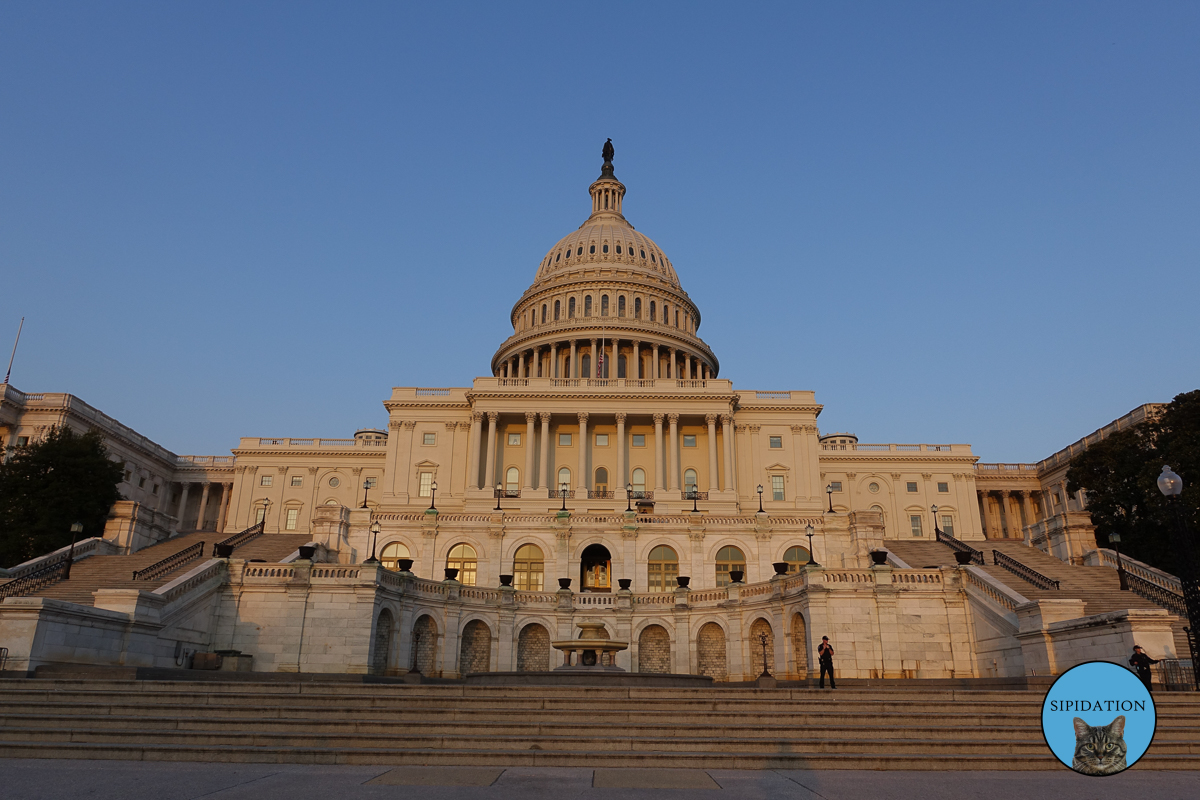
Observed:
{"x":1120,"y":475}
{"x":47,"y":486}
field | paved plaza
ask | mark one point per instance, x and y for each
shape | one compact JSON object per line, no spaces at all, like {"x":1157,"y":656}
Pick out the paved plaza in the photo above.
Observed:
{"x":47,"y":779}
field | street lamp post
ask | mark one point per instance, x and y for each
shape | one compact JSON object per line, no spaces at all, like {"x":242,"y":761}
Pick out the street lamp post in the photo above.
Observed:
{"x":266,"y":504}
{"x":808,"y":531}
{"x":629,"y":497}
{"x":374,"y":539}
{"x":432,"y":495}
{"x":366,"y":489}
{"x":76,"y":529}
{"x":1171,"y":485}
{"x":760,"y":498}
{"x":933,"y":510}
{"x":1114,"y":539}
{"x":762,"y":637}
{"x":499,"y":488}
{"x":564,"y":495}
{"x":829,"y":493}
{"x":694,"y":494}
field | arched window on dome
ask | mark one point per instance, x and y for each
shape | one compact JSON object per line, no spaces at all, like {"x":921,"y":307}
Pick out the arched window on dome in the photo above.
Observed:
{"x":604,"y":305}
{"x":579,"y":252}
{"x":618,"y":249}
{"x":677,"y":318}
{"x":592,"y":250}
{"x":621,"y":373}
{"x":652,"y":311}
{"x":666,"y":314}
{"x":558,"y":257}
{"x":643,"y":252}
{"x":543,"y":313}
{"x":637,"y":308}
{"x":587,"y":306}
{"x":652,"y":256}
{"x":621,"y":306}
{"x":557,"y":308}
{"x":604,"y":248}
{"x":571,"y":308}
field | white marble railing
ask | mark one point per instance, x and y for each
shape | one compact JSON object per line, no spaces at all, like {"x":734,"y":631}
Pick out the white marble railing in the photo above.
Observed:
{"x":897,"y":448}
{"x":975,"y":578}
{"x":175,"y":592}
{"x":88,"y":547}
{"x":1104,"y":557}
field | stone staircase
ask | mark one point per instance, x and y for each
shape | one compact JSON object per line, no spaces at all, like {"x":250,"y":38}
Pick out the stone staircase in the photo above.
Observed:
{"x":1098,"y":587}
{"x":717,"y":727}
{"x":116,"y":572}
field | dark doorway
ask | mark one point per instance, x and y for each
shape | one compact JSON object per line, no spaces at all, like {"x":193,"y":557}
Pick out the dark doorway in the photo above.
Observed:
{"x":595,"y":569}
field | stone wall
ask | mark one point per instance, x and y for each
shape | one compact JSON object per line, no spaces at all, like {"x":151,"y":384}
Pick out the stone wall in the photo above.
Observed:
{"x":710,"y":652}
{"x":654,"y":650}
{"x":475,"y":650}
{"x":533,"y":648}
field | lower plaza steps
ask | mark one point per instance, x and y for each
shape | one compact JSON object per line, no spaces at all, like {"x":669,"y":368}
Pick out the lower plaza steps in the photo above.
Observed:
{"x":116,"y":572}
{"x":431,"y":724}
{"x":1098,"y":587}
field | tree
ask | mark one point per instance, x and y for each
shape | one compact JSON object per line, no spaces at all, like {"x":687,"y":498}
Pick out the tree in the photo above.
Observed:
{"x":47,"y":486}
{"x":1120,"y":475}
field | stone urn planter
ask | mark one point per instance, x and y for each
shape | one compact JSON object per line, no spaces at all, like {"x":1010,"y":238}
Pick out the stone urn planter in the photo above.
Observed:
{"x":624,"y":583}
{"x":962,"y":559}
{"x":564,"y":583}
{"x":879,"y":557}
{"x":506,"y":580}
{"x":405,"y":564}
{"x":736,"y":575}
{"x":222,"y":550}
{"x":683,"y":581}
{"x":781,"y":567}
{"x":307,"y":552}
{"x":451,"y":573}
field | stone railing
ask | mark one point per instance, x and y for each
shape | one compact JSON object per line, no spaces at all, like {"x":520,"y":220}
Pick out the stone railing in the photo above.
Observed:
{"x":88,"y":547}
{"x":315,"y":444}
{"x":1006,"y":598}
{"x":899,"y":448}
{"x":1103,"y":557}
{"x":619,"y":385}
{"x":206,"y":461}
{"x":996,"y":470}
{"x":853,"y":576}
{"x":918,"y":576}
{"x":202,"y":578}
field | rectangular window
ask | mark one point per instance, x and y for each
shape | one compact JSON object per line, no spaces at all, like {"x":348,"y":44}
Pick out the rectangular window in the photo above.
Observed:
{"x":260,"y":514}
{"x":776,"y":487}
{"x":915,"y":521}
{"x":426,"y":484}
{"x":639,"y":440}
{"x":601,"y":440}
{"x":564,"y":440}
{"x":514,"y":440}
{"x":266,"y":480}
{"x":141,"y":483}
{"x":776,"y":442}
{"x":948,"y":524}
{"x":835,"y":485}
{"x":944,"y":488}
{"x":297,"y":480}
{"x":22,"y":441}
{"x":372,"y":482}
{"x":293,"y":514}
{"x":155,"y":489}
{"x":429,"y":438}
{"x":912,"y":486}
{"x":689,"y":441}
{"x":128,"y":475}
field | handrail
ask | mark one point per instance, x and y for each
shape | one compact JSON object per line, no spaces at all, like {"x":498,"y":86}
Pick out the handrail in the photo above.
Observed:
{"x":641,"y":495}
{"x":32,"y":581}
{"x":239,"y":539}
{"x":694,"y":495}
{"x":559,"y":494}
{"x":170,"y":563}
{"x":1158,"y":577}
{"x":1156,"y":594}
{"x":960,"y":547}
{"x":1021,"y":571}
{"x":600,"y":495}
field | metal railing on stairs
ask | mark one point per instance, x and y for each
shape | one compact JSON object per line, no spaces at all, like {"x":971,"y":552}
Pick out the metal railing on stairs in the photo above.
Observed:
{"x":170,"y":563}
{"x":1021,"y":571}
{"x":239,"y":539}
{"x":1156,"y":594}
{"x":960,"y":547}
{"x":32,"y":581}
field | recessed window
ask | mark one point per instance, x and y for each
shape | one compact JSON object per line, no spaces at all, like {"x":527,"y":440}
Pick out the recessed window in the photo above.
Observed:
{"x":689,"y":440}
{"x":392,"y":554}
{"x":429,"y":438}
{"x":587,"y":306}
{"x":948,"y":524}
{"x":662,"y":569}
{"x":426,"y":484}
{"x":873,"y":488}
{"x":618,"y":249}
{"x":22,"y":441}
{"x":528,"y":568}
{"x":592,"y":249}
{"x":776,"y":442}
{"x":297,"y":480}
{"x":334,"y":482}
{"x":462,"y":558}
{"x":776,"y":487}
{"x":293,"y":514}
{"x":558,"y":258}
{"x":568,"y":252}
{"x":564,"y":440}
{"x":836,"y":485}
{"x":621,"y":306}
{"x":639,"y":480}
{"x":643,"y":252}
{"x":912,"y":486}
{"x":579,"y":252}
{"x":652,"y":256}
{"x":729,"y":559}
{"x":944,"y":488}
{"x":605,"y":248}
{"x":266,"y":480}
{"x":371,"y":482}
{"x":564,"y":478}
{"x":141,"y":483}
{"x":128,"y":475}
{"x":639,"y":440}
{"x":571,"y":308}
{"x":514,"y":440}
{"x":155,"y":489}
{"x":915,"y":521}
{"x":601,"y":440}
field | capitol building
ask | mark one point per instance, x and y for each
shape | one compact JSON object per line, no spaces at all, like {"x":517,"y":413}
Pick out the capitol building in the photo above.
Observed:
{"x":602,"y":471}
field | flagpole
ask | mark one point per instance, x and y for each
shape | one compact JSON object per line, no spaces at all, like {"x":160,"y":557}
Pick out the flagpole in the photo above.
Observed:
{"x":8,"y":374}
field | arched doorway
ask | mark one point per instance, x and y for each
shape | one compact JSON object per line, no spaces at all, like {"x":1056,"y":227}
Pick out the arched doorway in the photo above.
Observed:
{"x":710,"y":652}
{"x":424,"y":643}
{"x":383,"y":643}
{"x":595,"y":569}
{"x":475,"y":652}
{"x":800,"y":645}
{"x":654,"y":650}
{"x":533,"y":648}
{"x":760,"y":627}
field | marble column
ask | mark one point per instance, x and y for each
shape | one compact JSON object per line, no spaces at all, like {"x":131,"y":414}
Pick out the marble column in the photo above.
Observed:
{"x":621,"y":480}
{"x":473,"y":458}
{"x":544,"y":470}
{"x":574,"y":360}
{"x":582,"y":482}
{"x":673,"y":445}
{"x":1005,"y":513}
{"x":226,"y":493}
{"x":553,"y":360}
{"x":1026,"y":511}
{"x":656,"y":369}
{"x":489,"y":469}
{"x":674,"y":373}
{"x":658,"y":452}
{"x":592,"y":353}
{"x":727,"y":435}
{"x":530,"y":420}
{"x":204,"y":492}
{"x":713,"y":481}
{"x":183,"y":498}
{"x":636,"y":360}
{"x":521,"y":365}
{"x":687,"y":365}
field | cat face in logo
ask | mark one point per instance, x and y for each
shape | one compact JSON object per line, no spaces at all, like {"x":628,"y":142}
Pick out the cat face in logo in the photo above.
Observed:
{"x":1099,"y":750}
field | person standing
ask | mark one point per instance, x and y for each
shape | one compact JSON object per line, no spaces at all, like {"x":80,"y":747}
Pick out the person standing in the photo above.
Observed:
{"x":1141,"y":663}
{"x":825,"y":656}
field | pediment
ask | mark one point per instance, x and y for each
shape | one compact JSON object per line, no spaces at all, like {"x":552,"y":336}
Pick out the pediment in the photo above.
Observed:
{"x":777,"y":467}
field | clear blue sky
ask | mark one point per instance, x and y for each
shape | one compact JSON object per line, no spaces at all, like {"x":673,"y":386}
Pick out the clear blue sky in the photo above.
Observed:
{"x":956,"y":222}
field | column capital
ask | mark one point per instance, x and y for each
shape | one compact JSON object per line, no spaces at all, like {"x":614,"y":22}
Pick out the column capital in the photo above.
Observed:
{"x":477,"y":416}
{"x":620,"y":417}
{"x":493,"y":416}
{"x":1005,"y":493}
{"x":313,"y":470}
{"x":451,"y":426}
{"x":545,"y":416}
{"x":531,"y":417}
{"x":658,"y":418}
{"x":711,"y":419}
{"x":727,"y":419}
{"x":206,"y":484}
{"x":583,"y":417}
{"x":673,"y":418}
{"x":464,"y":426}
{"x":395,"y":425}
{"x":410,"y":424}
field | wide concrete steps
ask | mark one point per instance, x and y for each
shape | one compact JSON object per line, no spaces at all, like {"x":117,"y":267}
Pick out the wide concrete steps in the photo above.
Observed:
{"x":458,"y":725}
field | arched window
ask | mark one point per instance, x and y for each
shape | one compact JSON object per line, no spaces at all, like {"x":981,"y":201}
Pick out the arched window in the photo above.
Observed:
{"x":643,"y":252}
{"x":543,"y":313}
{"x":652,"y":311}
{"x":528,"y":568}
{"x":592,"y":250}
{"x":604,"y":305}
{"x":512,"y":481}
{"x":557,"y":308}
{"x":662,"y":569}
{"x":605,"y":248}
{"x":676,"y":318}
{"x":639,"y":480}
{"x":621,"y":306}
{"x":392,"y":554}
{"x":666,"y":314}
{"x":637,"y":308}
{"x":689,"y":480}
{"x":568,"y":252}
{"x":587,"y":306}
{"x":462,"y":558}
{"x":571,"y":308}
{"x":601,"y":479}
{"x":585,"y":366}
{"x":558,"y":258}
{"x":579,"y":252}
{"x":729,"y":558}
{"x":564,"y":478}
{"x":621,"y":368}
{"x":796,"y":557}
